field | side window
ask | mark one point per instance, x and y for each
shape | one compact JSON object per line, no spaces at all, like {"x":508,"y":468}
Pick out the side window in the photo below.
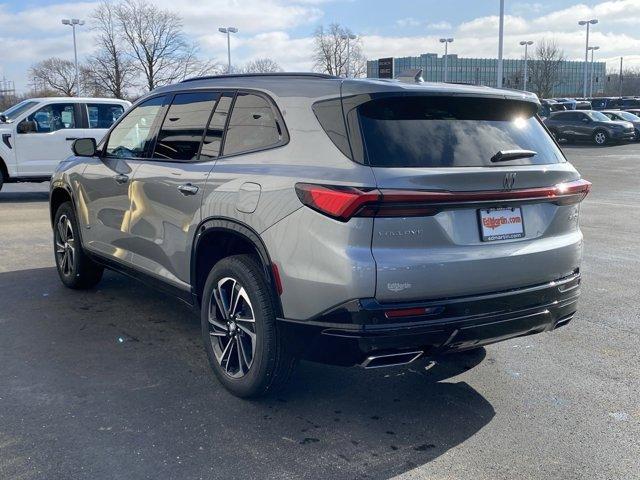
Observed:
{"x":54,"y":117}
{"x":252,"y":125}
{"x":184,"y":124}
{"x":103,"y":115}
{"x":213,"y":137}
{"x":131,"y":137}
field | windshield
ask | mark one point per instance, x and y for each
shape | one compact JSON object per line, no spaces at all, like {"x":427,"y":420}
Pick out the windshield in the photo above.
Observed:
{"x":18,"y":109}
{"x":629,"y":116}
{"x":433,"y":131}
{"x":598,"y":116}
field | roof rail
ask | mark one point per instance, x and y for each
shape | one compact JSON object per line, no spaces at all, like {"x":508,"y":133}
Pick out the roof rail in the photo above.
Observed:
{"x":272,"y":74}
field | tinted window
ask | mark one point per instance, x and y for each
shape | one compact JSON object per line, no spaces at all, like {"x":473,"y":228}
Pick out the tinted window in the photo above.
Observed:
{"x":103,"y":115}
{"x":54,"y":117}
{"x":14,"y":112}
{"x":183,"y":127}
{"x":131,"y":137}
{"x":597,"y":116}
{"x":426,"y":131}
{"x":568,"y":117}
{"x":213,"y":137}
{"x":252,"y":125}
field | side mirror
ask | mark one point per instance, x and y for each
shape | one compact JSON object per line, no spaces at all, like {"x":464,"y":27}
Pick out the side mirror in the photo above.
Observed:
{"x":3,"y":118}
{"x":27,"y":126}
{"x":84,"y":147}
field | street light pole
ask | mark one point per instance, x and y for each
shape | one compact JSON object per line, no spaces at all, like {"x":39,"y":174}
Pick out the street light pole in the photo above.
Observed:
{"x":526,"y":58}
{"x":588,"y":23}
{"x":348,"y":37}
{"x":446,"y":42}
{"x":500,"y":43}
{"x":72,"y":23}
{"x":593,"y":49}
{"x":228,"y":31}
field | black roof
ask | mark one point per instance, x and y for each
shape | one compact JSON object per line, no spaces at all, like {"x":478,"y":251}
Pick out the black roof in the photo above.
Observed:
{"x":272,"y":74}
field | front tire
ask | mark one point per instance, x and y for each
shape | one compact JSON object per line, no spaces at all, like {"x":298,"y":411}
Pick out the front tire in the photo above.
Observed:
{"x":600,"y":138}
{"x":75,"y":269}
{"x":239,"y":329}
{"x":1,"y":178}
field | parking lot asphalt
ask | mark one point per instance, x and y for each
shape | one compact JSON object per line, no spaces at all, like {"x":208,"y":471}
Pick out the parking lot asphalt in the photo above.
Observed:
{"x":113,"y":383}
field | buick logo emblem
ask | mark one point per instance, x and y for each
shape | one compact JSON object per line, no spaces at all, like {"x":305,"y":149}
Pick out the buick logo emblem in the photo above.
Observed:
{"x":509,"y":181}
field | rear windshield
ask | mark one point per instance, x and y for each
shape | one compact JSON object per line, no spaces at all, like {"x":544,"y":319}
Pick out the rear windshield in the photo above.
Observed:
{"x":430,"y":131}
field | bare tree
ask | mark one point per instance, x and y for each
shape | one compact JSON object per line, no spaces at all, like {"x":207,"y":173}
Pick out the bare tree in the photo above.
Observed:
{"x":55,"y":74}
{"x":262,"y":65}
{"x":160,"y":52}
{"x":628,"y":85}
{"x":544,"y":68}
{"x":330,"y":52}
{"x":109,"y":70}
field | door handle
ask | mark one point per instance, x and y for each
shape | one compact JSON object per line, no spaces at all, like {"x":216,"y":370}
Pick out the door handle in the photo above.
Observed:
{"x":121,"y":178}
{"x":188,"y":189}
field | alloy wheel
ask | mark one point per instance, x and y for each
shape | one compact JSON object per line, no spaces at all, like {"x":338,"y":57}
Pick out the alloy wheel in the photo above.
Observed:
{"x":600,"y":138}
{"x":65,"y":245}
{"x":232,"y":327}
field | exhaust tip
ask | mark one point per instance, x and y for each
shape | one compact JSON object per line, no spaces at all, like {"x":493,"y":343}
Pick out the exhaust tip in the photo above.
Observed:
{"x":391,"y":359}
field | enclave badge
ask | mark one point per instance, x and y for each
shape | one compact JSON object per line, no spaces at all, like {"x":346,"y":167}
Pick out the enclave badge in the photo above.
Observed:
{"x":509,"y":181}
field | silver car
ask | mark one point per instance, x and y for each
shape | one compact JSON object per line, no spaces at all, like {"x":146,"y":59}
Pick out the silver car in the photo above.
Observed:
{"x":353,"y":222}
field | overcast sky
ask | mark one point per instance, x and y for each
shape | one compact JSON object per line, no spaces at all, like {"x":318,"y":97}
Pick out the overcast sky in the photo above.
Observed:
{"x":282,"y":29}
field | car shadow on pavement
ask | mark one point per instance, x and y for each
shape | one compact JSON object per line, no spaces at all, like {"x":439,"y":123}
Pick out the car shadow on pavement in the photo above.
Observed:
{"x":114,"y":381}
{"x":23,"y":197}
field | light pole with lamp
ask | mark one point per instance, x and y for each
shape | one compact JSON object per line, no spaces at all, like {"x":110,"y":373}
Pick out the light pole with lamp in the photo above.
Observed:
{"x":228,"y":31}
{"x":446,"y":42}
{"x":593,"y":49}
{"x":72,"y":22}
{"x":348,"y":37}
{"x":526,"y":45}
{"x":588,"y":23}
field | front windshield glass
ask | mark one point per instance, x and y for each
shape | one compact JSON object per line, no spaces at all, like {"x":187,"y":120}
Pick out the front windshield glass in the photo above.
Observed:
{"x":14,"y":112}
{"x":598,"y":117}
{"x":630,"y":117}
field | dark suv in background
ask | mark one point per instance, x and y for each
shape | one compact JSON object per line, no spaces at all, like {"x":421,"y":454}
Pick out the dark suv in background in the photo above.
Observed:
{"x":588,"y":125}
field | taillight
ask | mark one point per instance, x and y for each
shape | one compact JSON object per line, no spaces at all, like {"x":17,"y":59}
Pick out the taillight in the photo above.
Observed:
{"x":337,"y":202}
{"x":343,"y":202}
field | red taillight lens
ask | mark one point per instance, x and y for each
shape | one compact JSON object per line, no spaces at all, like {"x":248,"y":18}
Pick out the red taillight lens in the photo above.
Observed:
{"x":342,"y":202}
{"x":337,"y":202}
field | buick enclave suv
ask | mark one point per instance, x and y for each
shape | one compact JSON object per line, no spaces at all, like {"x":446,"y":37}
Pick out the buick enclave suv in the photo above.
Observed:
{"x":352,"y":222}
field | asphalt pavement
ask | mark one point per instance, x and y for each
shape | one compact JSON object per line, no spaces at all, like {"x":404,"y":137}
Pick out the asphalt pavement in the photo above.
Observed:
{"x":113,"y":383}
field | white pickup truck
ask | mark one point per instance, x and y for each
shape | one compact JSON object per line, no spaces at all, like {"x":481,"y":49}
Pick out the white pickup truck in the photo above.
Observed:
{"x":36,"y":134}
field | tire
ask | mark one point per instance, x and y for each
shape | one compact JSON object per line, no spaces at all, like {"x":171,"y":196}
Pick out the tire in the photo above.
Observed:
{"x":637,"y":139}
{"x":600,"y":137}
{"x":248,"y":357}
{"x":1,"y":177}
{"x":75,"y":269}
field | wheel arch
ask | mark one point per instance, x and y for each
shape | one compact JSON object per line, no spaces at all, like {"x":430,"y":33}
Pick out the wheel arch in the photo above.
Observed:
{"x":60,"y":193}
{"x":220,"y":237}
{"x":4,"y":169}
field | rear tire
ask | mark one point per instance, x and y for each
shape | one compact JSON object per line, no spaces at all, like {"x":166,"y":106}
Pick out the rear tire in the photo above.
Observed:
{"x":600,"y":137}
{"x":637,"y":139}
{"x":239,"y":329}
{"x":75,"y":269}
{"x":1,"y":177}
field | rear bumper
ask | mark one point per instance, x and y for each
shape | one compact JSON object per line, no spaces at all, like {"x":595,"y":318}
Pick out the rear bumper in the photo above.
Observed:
{"x":350,"y":333}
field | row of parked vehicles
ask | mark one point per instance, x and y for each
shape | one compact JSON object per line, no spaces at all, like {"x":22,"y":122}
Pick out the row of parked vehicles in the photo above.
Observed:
{"x":599,"y":120}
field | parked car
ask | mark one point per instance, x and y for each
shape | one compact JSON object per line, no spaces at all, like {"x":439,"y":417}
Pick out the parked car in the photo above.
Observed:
{"x":588,"y":125}
{"x":549,"y":106}
{"x":583,"y":104}
{"x":634,"y":111}
{"x":569,"y":103}
{"x":625,"y":117}
{"x":605,"y":103}
{"x":310,"y":216}
{"x":37,"y":133}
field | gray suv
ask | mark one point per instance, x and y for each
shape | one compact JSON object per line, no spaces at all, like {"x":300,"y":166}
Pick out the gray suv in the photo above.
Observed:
{"x":352,"y":222}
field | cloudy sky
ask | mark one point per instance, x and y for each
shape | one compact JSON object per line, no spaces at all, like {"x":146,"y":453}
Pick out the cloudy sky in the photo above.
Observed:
{"x":30,"y":30}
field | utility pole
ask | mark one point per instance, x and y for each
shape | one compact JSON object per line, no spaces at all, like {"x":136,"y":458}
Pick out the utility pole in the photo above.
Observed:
{"x":588,"y":23}
{"x":526,"y":57}
{"x":73,"y":22}
{"x":620,"y":79}
{"x":348,"y":37}
{"x":228,"y":31}
{"x":446,"y":42}
{"x":593,"y":49}
{"x":500,"y":43}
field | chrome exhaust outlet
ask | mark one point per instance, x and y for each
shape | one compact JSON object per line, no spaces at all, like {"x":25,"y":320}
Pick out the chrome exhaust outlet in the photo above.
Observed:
{"x":390,"y":359}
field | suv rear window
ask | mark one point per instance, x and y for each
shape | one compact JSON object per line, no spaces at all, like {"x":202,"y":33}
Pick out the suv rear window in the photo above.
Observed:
{"x":442,"y":131}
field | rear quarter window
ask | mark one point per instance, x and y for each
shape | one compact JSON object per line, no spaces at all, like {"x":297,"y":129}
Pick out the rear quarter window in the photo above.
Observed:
{"x":441,"y":131}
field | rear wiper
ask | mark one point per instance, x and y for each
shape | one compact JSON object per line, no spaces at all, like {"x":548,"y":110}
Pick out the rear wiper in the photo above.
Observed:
{"x":506,"y":155}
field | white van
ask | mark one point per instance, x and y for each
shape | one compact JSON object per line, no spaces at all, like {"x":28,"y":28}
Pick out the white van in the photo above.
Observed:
{"x":36,"y":134}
